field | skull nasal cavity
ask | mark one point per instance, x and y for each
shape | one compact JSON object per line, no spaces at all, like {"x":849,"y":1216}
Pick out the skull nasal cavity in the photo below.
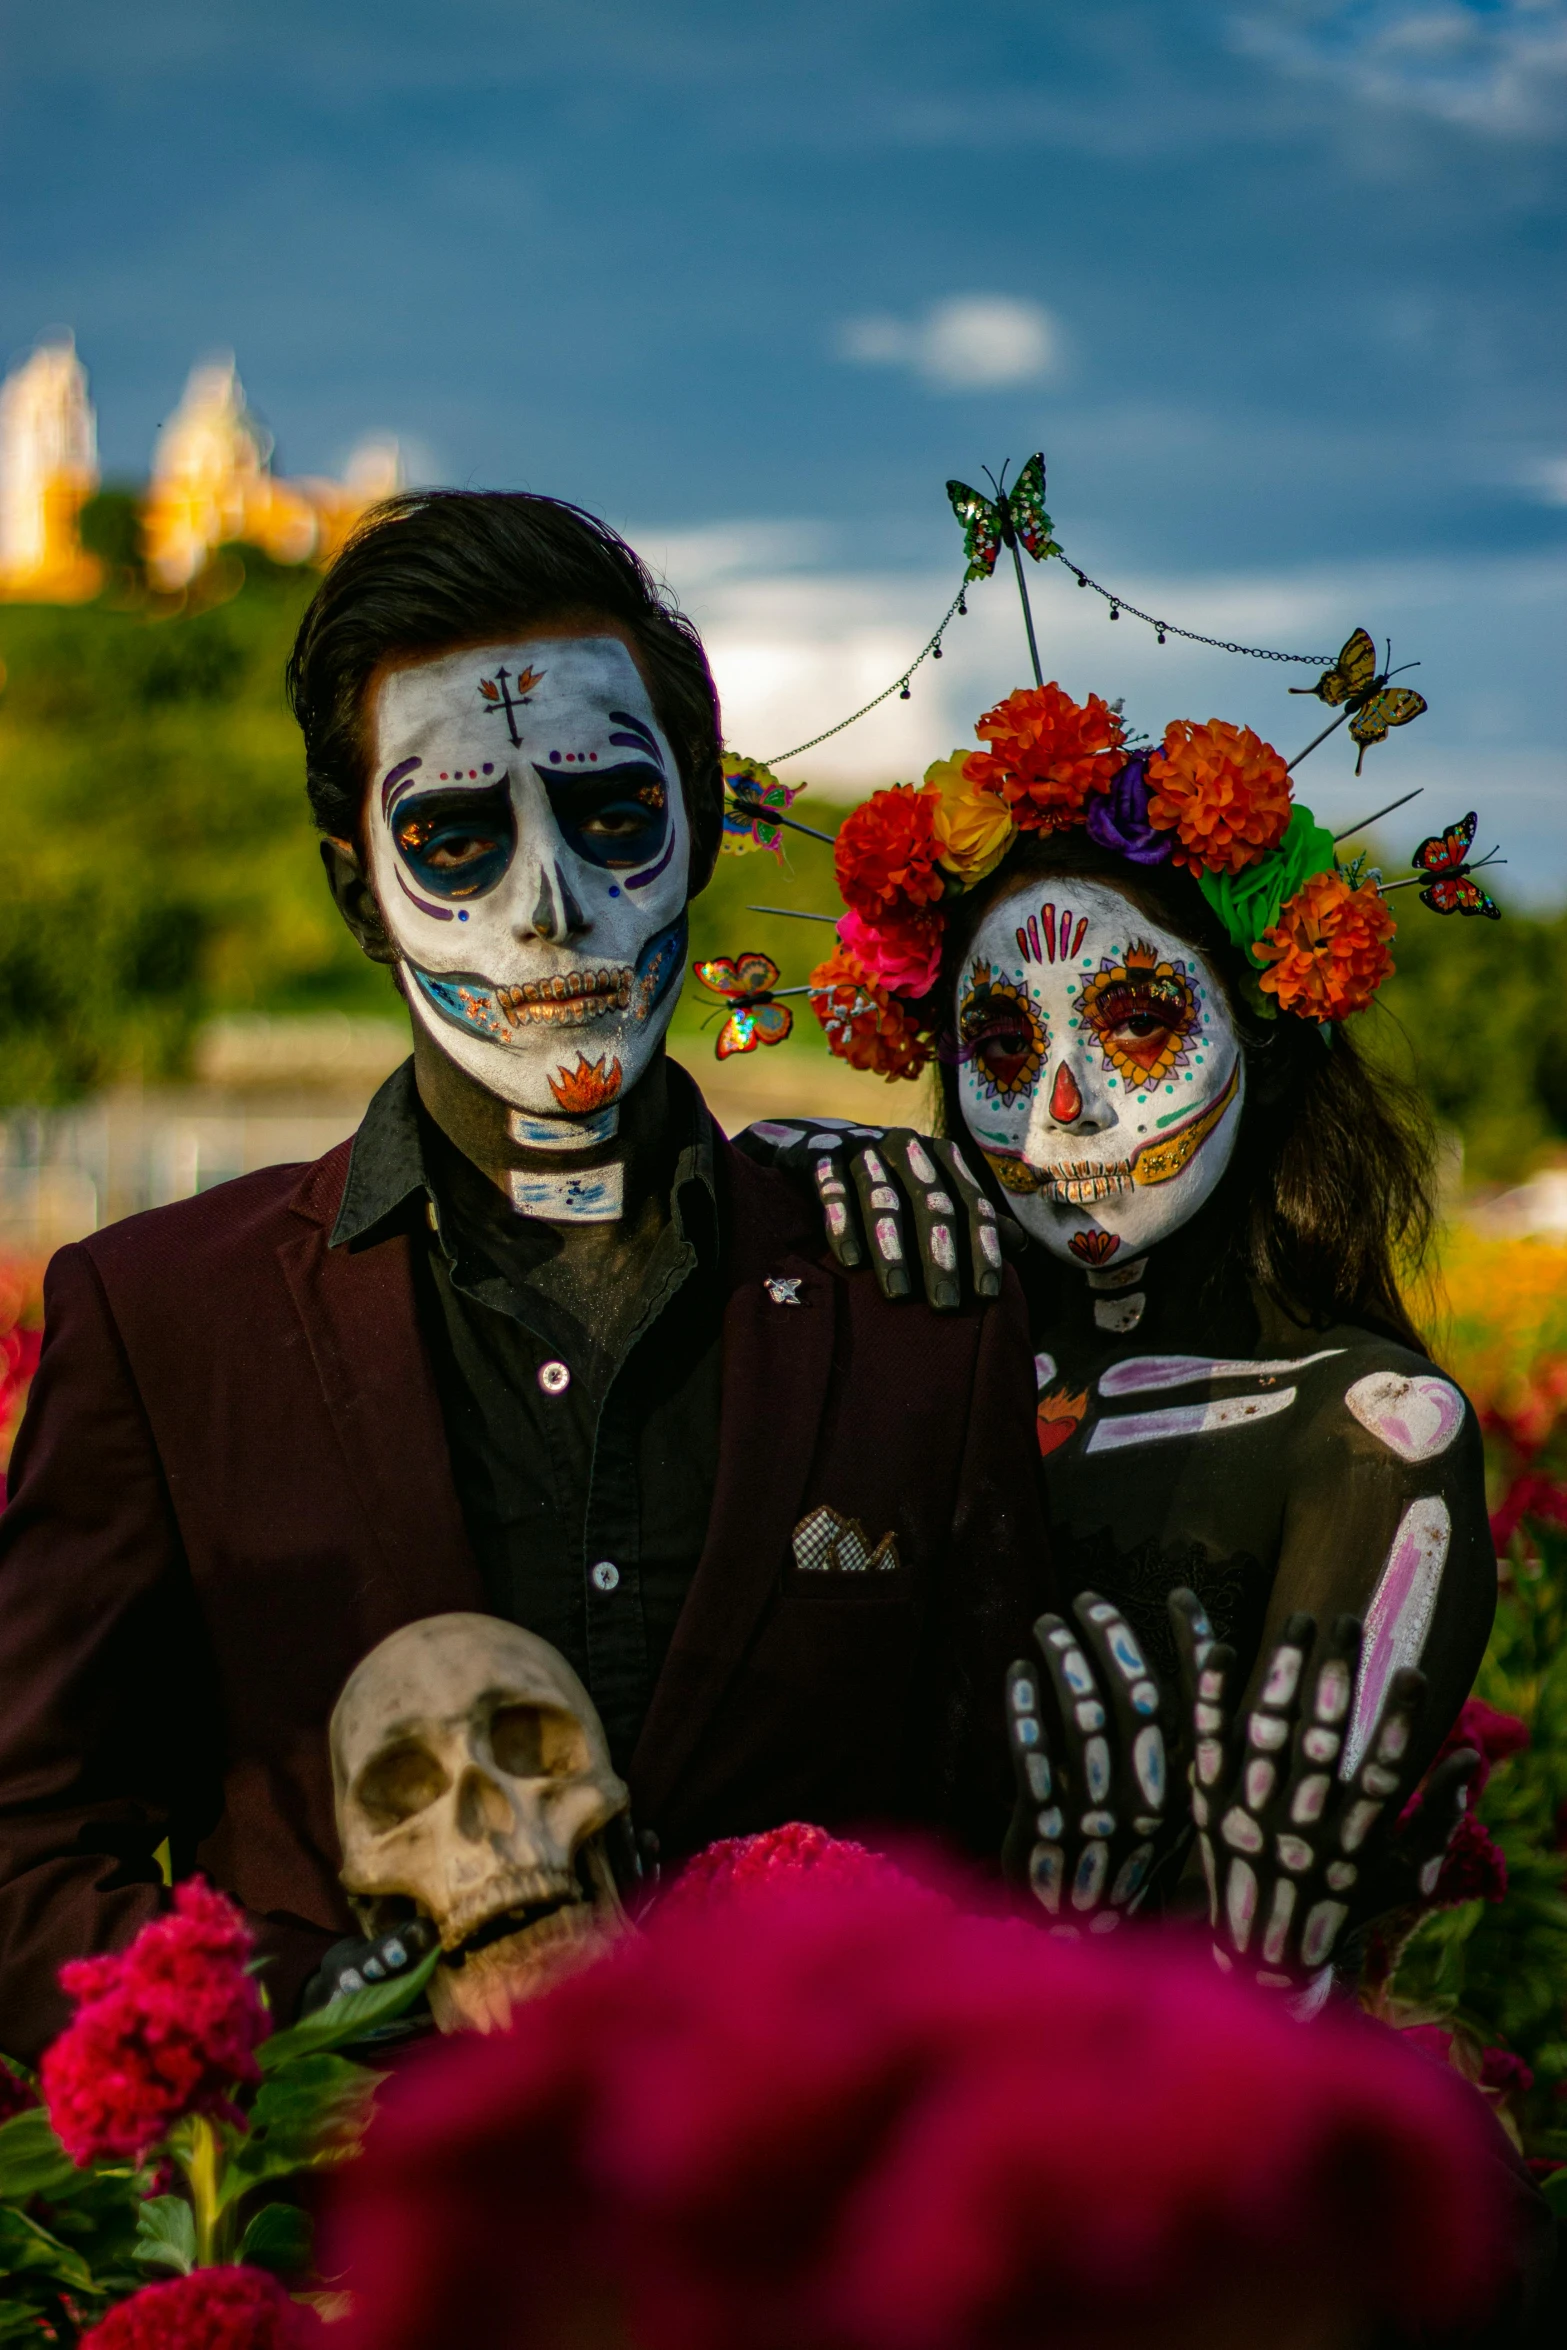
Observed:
{"x":482,"y":1808}
{"x":1066,"y":1103}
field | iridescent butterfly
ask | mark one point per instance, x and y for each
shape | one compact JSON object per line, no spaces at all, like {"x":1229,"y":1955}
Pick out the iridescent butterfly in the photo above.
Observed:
{"x":1015,"y":515}
{"x":752,"y":792}
{"x":746,"y":983}
{"x":1454,"y":891}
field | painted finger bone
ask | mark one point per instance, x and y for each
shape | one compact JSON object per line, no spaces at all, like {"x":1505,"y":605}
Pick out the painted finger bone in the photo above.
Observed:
{"x":474,"y":1787}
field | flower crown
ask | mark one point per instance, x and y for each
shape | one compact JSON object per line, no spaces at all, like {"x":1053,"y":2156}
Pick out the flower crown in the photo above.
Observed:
{"x":1214,"y":798}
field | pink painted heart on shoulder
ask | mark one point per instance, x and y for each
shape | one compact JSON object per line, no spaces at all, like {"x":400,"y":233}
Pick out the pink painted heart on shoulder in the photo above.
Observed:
{"x":1416,"y":1418}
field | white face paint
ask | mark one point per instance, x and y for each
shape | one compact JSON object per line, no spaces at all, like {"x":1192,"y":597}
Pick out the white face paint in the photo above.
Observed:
{"x":1101,"y":1073}
{"x":530,"y":852}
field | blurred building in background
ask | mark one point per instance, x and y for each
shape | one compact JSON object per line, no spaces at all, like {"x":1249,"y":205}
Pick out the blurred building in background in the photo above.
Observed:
{"x":48,"y":471}
{"x":264,"y":1091}
{"x":212,"y":485}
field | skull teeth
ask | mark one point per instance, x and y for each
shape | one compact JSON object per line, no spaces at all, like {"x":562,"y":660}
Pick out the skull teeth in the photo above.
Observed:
{"x":568,"y":998}
{"x":1082,"y":1183}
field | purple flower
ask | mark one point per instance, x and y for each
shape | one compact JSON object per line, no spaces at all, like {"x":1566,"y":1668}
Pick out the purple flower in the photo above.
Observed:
{"x":1119,"y":820}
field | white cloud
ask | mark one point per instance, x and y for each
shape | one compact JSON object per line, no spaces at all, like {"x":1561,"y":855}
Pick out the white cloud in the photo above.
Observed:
{"x":1547,"y":477}
{"x":970,"y":342}
{"x":1499,"y":68}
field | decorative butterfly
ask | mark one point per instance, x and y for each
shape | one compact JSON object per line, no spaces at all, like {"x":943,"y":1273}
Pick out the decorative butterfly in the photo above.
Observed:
{"x":1014,"y":515}
{"x":745,"y":826}
{"x":746,"y":983}
{"x":1355,"y":682}
{"x":1352,"y":678}
{"x":1391,"y":705}
{"x":1454,"y":890}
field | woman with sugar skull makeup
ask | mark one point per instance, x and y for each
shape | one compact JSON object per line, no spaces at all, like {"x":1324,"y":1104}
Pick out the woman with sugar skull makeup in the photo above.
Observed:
{"x":1135,"y":969}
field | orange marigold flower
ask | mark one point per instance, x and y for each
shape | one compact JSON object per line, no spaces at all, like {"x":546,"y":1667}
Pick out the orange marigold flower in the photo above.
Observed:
{"x":885,"y":854}
{"x":1048,"y":755}
{"x":865,"y":1025}
{"x":1328,"y":948}
{"x":1222,"y":791}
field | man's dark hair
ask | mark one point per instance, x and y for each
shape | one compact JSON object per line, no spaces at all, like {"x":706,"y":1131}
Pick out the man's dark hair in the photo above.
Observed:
{"x":434,"y":569}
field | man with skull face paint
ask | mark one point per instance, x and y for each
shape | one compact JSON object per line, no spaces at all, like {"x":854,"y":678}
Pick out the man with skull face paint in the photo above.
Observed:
{"x":537,"y":1343}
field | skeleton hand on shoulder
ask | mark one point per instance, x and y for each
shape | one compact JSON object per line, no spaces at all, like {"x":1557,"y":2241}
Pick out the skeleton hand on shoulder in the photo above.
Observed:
{"x":903,"y":1203}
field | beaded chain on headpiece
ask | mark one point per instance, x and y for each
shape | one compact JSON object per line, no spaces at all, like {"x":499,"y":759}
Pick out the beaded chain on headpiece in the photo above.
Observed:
{"x":1211,"y":797}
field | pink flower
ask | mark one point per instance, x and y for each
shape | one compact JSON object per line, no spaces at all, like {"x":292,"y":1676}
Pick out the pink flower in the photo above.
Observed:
{"x":1474,"y":1869}
{"x":843,"y":2114}
{"x":901,"y":953}
{"x":1494,"y":1736}
{"x":779,"y":1857}
{"x":211,"y":2309}
{"x":163,"y":2029}
{"x":1503,"y":2072}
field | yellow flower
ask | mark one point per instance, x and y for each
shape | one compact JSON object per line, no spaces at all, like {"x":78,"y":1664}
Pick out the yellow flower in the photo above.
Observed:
{"x":973,"y":829}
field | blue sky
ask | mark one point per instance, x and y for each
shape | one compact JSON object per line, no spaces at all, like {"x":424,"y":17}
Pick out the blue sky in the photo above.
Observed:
{"x":1276,"y":285}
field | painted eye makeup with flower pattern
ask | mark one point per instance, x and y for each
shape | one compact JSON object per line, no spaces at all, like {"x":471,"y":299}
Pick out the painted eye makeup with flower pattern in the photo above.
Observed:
{"x":1143,"y":1013}
{"x":1000,"y":1034}
{"x":457,"y":844}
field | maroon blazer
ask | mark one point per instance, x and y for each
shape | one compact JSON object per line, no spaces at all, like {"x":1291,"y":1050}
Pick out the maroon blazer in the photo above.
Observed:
{"x":232,"y":1481}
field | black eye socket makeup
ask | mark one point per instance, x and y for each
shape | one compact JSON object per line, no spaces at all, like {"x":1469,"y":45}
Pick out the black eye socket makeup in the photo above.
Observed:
{"x":457,"y":844}
{"x":614,"y":817}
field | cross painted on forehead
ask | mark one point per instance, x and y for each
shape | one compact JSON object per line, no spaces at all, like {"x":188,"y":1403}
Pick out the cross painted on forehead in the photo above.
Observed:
{"x":497,"y":693}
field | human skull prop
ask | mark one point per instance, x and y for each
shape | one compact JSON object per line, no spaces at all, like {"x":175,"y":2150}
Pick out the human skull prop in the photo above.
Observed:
{"x":474,"y":1787}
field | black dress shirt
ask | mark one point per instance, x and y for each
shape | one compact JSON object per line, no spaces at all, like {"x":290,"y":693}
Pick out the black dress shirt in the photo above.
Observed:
{"x":585,"y":1471}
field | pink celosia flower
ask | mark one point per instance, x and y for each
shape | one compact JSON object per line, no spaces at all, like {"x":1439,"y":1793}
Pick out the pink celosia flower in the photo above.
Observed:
{"x":902,"y":953}
{"x":847,"y":2115}
{"x":211,"y":2309}
{"x":163,"y":2029}
{"x":777,"y":1857}
{"x":1474,"y":1869}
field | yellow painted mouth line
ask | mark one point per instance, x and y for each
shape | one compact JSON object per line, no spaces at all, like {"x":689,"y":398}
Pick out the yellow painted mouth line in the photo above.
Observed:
{"x":1080,"y":1183}
{"x":1158,"y":1162}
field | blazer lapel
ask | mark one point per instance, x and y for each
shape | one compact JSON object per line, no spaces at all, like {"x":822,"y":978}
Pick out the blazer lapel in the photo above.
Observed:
{"x":777,"y":1360}
{"x":361,"y":1322}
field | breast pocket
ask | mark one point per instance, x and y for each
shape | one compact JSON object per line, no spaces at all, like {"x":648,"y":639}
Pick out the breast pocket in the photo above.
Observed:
{"x":837,"y":1562}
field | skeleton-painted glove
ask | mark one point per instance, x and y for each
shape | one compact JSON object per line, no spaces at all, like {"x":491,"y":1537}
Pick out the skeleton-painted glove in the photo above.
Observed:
{"x":355,"y":1965}
{"x":1299,"y":1857}
{"x":908,"y":1206}
{"x":1093,"y":1818}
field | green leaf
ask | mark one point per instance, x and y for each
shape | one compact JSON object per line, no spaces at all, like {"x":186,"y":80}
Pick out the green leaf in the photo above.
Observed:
{"x":166,"y":2234}
{"x":347,"y":2019}
{"x":1554,"y":2189}
{"x":309,"y":2112}
{"x":278,"y":2238}
{"x":27,"y":2249}
{"x":32,"y":2160}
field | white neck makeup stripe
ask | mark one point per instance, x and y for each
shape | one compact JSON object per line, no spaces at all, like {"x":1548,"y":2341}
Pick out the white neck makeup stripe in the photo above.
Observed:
{"x":564,"y":1134}
{"x":596,"y":1196}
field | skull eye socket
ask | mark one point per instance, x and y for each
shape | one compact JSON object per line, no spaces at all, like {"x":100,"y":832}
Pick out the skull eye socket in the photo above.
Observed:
{"x":400,"y":1782}
{"x":536,"y":1742}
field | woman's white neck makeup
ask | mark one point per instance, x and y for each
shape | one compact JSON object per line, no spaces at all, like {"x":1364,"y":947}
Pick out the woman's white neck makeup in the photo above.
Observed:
{"x":1101,"y":1073}
{"x":530,"y":853}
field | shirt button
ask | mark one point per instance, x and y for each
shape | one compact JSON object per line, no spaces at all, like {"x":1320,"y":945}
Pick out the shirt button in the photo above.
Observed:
{"x":554,"y":1378}
{"x":606,"y":1576}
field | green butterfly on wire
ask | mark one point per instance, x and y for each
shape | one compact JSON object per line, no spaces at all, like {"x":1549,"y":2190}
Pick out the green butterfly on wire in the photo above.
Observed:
{"x":1014,"y":518}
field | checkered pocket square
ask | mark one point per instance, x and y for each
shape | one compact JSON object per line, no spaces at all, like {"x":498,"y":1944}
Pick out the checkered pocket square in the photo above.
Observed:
{"x":826,"y":1543}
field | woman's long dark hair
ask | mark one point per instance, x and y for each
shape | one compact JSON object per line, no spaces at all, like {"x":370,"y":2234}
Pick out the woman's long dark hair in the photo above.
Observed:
{"x":1333,"y":1171}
